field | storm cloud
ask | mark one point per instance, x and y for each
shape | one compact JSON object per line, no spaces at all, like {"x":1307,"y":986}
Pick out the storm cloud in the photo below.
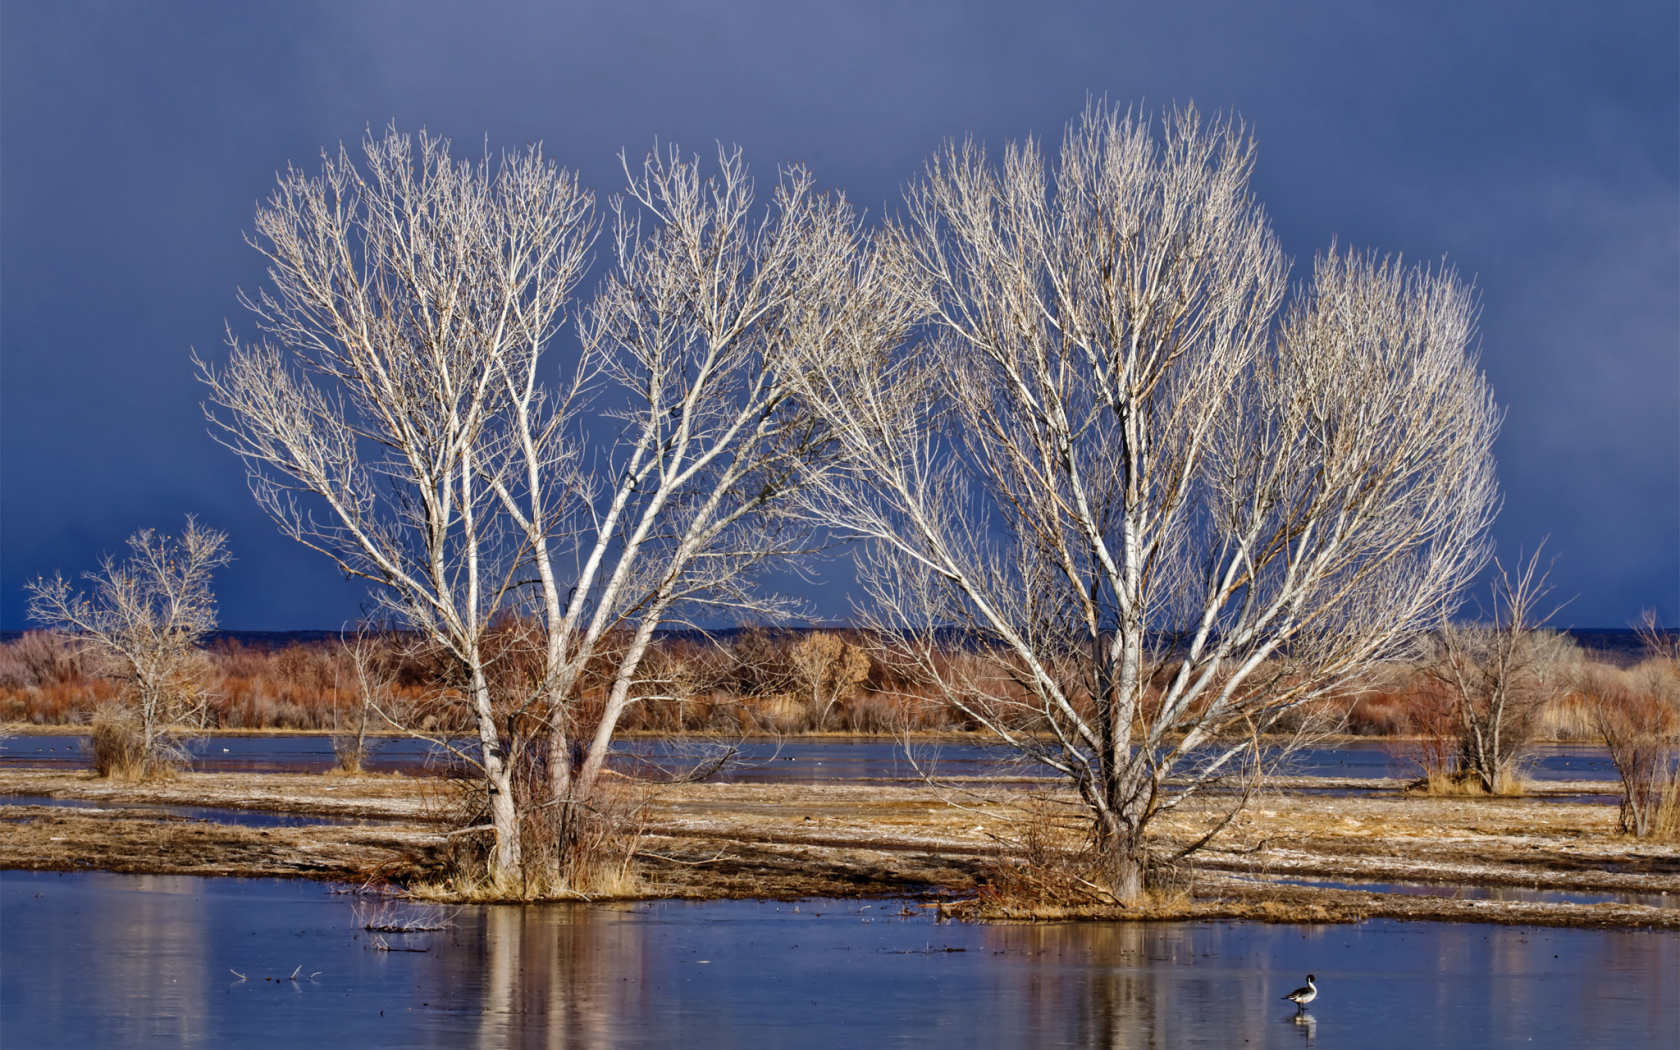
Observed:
{"x":1531,"y":145}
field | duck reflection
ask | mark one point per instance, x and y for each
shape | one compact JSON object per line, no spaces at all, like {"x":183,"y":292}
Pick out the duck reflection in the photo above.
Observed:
{"x":1307,"y":1024}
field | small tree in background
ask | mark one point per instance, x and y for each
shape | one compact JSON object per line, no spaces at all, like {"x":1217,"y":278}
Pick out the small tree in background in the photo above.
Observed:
{"x":828,"y":668}
{"x":1637,"y":713}
{"x":1499,"y":676}
{"x":143,"y":625}
{"x":370,"y":660}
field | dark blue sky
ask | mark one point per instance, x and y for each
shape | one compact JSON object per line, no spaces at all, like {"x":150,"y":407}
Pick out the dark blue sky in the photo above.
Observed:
{"x":1534,"y":145}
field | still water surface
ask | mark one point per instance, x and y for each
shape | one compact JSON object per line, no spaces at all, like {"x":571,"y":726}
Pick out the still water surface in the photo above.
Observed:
{"x":767,"y":760}
{"x":124,"y":961}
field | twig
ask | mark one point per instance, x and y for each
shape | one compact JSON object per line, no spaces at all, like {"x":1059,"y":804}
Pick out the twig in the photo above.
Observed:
{"x":1256,"y":848}
{"x":673,"y":860}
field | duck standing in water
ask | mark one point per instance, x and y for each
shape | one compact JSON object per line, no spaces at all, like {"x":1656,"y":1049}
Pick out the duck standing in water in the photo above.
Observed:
{"x":1302,"y":996}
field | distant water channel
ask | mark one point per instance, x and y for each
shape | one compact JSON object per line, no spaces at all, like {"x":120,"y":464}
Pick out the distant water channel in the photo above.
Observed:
{"x":138,"y":961}
{"x":765,"y":760}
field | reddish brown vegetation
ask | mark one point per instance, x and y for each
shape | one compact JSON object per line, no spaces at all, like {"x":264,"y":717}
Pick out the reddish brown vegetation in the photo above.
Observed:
{"x":1637,"y":715}
{"x":752,"y":681}
{"x":748,"y":683}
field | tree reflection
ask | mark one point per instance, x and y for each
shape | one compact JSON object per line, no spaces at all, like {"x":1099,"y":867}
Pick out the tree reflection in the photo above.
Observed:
{"x":1125,"y":985}
{"x":548,"y":975}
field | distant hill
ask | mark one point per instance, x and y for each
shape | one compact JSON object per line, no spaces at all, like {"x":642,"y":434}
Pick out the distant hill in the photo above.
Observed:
{"x":1616,"y":645}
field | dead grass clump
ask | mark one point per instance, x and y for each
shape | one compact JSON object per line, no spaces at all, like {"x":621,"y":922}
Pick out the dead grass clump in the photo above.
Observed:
{"x":1053,"y":868}
{"x":384,"y":915}
{"x":118,"y":746}
{"x":1665,"y":814}
{"x":1449,"y":784}
{"x":782,"y":714}
{"x":1052,"y":863}
{"x":581,"y":851}
{"x":872,"y":714}
{"x":1566,"y":719}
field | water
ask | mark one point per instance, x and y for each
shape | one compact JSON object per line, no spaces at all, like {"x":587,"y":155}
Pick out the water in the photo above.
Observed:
{"x":129,"y":961}
{"x":225,"y":754}
{"x":768,"y":760}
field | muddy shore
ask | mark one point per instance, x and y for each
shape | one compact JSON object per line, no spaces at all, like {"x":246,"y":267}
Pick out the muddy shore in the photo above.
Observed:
{"x":789,"y":840}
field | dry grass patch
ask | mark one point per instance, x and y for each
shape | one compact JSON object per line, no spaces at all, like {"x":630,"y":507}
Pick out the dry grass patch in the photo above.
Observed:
{"x":1439,"y":784}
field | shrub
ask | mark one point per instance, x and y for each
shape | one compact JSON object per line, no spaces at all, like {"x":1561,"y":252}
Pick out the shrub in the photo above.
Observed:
{"x":1637,"y":716}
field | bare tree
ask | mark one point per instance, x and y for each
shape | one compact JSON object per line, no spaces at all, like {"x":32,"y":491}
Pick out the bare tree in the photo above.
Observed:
{"x":1637,"y":714}
{"x":366,"y":655}
{"x":1499,"y":675}
{"x":1109,"y":463}
{"x":395,"y":407}
{"x":702,"y":325}
{"x":143,"y":625}
{"x":401,"y":394}
{"x":828,"y":668}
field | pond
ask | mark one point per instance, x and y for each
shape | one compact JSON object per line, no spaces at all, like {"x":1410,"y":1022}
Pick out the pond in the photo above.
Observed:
{"x":766,"y":760}
{"x":127,"y":961}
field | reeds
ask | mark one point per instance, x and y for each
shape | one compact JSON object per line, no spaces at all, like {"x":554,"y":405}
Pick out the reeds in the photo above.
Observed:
{"x":1449,"y":784}
{"x":576,"y":851}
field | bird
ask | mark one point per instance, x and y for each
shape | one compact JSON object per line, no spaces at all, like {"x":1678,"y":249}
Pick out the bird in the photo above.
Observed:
{"x":1302,"y":996}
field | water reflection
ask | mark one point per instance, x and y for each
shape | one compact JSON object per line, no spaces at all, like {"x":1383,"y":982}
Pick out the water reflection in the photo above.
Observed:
{"x":118,"y":961}
{"x":1133,"y":985}
{"x":549,"y":976}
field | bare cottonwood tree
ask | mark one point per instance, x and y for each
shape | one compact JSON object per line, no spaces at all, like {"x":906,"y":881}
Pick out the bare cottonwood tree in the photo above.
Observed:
{"x":1172,"y":507}
{"x":401,"y":392}
{"x":1499,"y":675}
{"x":710,"y":310}
{"x":396,"y":406}
{"x":143,"y":625}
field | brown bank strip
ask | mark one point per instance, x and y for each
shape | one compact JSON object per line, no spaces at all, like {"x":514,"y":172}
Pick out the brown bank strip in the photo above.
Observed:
{"x":790,"y":840}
